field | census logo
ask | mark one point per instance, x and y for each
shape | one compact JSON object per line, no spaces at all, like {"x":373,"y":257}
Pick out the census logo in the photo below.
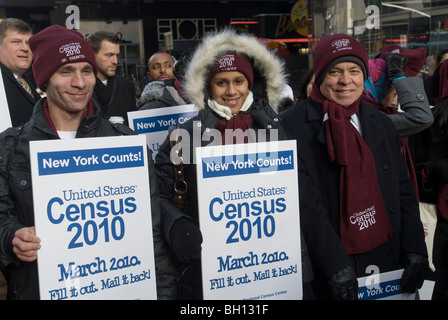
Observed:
{"x":341,"y":44}
{"x":71,"y":49}
{"x":227,"y":62}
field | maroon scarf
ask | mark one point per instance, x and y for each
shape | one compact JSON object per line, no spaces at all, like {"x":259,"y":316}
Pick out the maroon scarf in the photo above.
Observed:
{"x":241,"y":121}
{"x":364,"y":224}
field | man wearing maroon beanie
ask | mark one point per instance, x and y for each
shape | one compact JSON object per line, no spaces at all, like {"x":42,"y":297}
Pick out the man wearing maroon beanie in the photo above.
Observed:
{"x":65,"y":67}
{"x":334,"y":49}
{"x":358,"y":207}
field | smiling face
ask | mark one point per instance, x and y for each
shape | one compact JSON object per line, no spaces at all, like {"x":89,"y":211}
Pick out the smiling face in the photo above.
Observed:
{"x":343,"y":84}
{"x":70,"y":88}
{"x":229,"y":89}
{"x":15,"y":53}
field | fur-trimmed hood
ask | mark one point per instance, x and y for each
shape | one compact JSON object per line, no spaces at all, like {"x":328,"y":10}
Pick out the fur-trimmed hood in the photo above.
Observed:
{"x":269,"y":74}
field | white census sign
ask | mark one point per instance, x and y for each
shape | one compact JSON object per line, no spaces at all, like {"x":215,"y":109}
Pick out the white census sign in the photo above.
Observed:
{"x":93,"y":215}
{"x":249,"y":219}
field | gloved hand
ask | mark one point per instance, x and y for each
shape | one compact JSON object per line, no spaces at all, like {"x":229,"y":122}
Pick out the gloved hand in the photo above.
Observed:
{"x":416,"y":266}
{"x":186,"y":241}
{"x":396,"y":65}
{"x":344,"y":285}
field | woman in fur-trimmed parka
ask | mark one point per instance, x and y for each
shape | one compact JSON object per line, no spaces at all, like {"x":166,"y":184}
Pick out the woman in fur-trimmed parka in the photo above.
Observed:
{"x":233,"y":80}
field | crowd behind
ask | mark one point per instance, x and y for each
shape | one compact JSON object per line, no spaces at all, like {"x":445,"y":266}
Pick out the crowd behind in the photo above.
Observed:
{"x":371,"y":133}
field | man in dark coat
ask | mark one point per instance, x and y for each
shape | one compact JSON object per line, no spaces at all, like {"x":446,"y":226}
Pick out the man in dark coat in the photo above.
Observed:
{"x":66,"y":69}
{"x":114,"y":93}
{"x":358,"y":207}
{"x":15,"y":61}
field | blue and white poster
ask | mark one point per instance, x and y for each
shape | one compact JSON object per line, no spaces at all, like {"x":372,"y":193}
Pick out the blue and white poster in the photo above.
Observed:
{"x":93,"y":216}
{"x":154,"y":123}
{"x":249,"y":219}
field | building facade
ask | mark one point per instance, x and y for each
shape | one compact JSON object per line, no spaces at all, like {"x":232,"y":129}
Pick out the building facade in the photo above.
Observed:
{"x":290,"y":27}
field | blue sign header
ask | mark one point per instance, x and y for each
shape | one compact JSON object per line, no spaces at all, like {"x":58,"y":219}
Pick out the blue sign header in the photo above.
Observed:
{"x":60,"y":162}
{"x":247,"y":164}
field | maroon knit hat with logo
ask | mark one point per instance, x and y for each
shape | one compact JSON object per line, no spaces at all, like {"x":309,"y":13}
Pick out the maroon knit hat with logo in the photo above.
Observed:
{"x":56,"y":46}
{"x":233,"y":61}
{"x":335,"y":49}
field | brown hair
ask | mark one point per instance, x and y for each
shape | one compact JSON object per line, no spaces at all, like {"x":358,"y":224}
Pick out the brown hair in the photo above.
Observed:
{"x":96,"y":38}
{"x":14,"y":24}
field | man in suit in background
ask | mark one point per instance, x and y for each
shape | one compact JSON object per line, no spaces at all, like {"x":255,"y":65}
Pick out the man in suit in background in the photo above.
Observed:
{"x":15,"y":61}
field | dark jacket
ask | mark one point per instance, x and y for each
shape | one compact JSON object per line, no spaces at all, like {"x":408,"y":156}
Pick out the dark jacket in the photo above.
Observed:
{"x":117,"y":98}
{"x":429,"y":150}
{"x":319,"y":181}
{"x":20,"y":103}
{"x":16,"y":201}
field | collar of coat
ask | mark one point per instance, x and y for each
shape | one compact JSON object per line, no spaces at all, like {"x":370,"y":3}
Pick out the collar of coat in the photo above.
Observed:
{"x":369,"y":117}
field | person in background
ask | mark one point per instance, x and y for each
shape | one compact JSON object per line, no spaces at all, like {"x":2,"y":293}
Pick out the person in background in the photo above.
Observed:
{"x":358,"y":206}
{"x":429,"y":150}
{"x":115,"y":94}
{"x":393,"y":83}
{"x":15,"y":62}
{"x":161,"y":66}
{"x":432,"y":82}
{"x":285,"y":101}
{"x":168,"y":92}
{"x":307,"y":85}
{"x":67,"y":112}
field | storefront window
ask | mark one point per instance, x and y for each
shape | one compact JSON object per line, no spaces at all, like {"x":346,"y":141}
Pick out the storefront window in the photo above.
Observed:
{"x":410,"y":24}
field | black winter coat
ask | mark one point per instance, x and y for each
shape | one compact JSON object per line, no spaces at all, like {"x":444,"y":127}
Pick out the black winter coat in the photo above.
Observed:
{"x":319,"y":193}
{"x":117,"y":98}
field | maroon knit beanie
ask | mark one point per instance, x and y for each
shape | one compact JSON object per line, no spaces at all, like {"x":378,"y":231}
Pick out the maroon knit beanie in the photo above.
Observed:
{"x":335,"y":49}
{"x":232,"y":61}
{"x":55,"y":46}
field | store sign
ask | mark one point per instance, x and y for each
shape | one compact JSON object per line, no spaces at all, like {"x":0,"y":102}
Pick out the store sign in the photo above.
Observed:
{"x":298,"y":21}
